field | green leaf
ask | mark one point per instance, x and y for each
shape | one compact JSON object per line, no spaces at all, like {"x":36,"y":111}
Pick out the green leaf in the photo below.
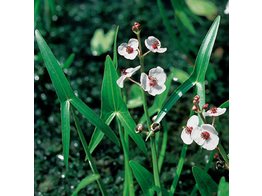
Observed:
{"x":223,"y":187}
{"x":115,"y":51}
{"x":65,"y":119}
{"x":57,"y":76}
{"x":144,"y":178}
{"x":202,"y":8}
{"x":136,"y":97}
{"x":69,"y":61}
{"x":94,"y":119}
{"x":206,"y":185}
{"x":113,"y":104}
{"x":179,"y":74}
{"x":65,"y":92}
{"x":198,"y":75}
{"x":100,"y":42}
{"x":225,"y":104}
{"x":87,"y":180}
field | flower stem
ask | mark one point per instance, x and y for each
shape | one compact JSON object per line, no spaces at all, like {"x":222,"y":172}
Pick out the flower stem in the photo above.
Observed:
{"x":134,"y":81}
{"x":152,"y":139}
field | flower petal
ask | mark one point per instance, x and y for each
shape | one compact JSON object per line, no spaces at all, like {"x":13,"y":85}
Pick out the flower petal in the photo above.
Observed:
{"x":161,"y":50}
{"x":130,"y":71}
{"x":122,"y":49}
{"x":133,"y":43}
{"x":212,"y":142}
{"x":196,"y":136}
{"x":193,"y":121}
{"x":132,"y":55}
{"x":209,"y":128}
{"x":120,"y":81}
{"x":158,"y":89}
{"x":144,"y":82}
{"x":186,"y":137}
{"x":221,"y":111}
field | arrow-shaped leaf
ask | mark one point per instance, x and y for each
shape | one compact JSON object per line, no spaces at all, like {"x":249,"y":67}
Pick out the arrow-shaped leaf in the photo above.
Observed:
{"x":113,"y":104}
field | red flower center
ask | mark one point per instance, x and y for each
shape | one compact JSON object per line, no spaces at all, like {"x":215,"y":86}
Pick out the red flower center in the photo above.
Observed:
{"x":189,"y":130}
{"x":205,"y":135}
{"x":152,"y":81}
{"x":213,"y":110}
{"x":123,"y":72}
{"x":129,"y":49}
{"x":155,"y":45}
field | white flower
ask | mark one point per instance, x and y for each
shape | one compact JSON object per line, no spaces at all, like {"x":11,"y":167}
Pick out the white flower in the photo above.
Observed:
{"x":192,"y":123}
{"x":206,"y":136}
{"x":126,"y":73}
{"x":154,"y":83}
{"x":129,"y":50}
{"x":214,"y":111}
{"x":154,"y":45}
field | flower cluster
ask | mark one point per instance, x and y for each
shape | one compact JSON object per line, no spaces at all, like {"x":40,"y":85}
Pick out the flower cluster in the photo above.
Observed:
{"x":154,"y":82}
{"x":204,"y":135}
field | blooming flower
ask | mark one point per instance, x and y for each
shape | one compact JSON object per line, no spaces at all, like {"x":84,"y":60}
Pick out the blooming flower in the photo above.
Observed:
{"x":154,"y":83}
{"x":154,"y":45}
{"x":214,"y":111}
{"x":192,"y":123}
{"x":206,"y":136}
{"x":129,"y":50}
{"x":126,"y":73}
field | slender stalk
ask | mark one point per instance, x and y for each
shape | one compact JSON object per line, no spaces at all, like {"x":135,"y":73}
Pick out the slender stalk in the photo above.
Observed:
{"x":129,"y":186}
{"x":223,"y":153}
{"x":163,"y":147}
{"x":155,"y":165}
{"x":178,"y":170}
{"x":152,"y":139}
{"x":89,"y":157}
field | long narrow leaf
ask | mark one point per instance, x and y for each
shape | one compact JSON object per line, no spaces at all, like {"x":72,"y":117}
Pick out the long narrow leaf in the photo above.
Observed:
{"x":198,"y":74}
{"x":87,"y":180}
{"x":65,"y":119}
{"x":57,"y":76}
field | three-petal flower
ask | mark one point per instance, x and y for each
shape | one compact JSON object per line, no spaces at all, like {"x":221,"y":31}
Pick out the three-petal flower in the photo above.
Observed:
{"x":214,"y":111}
{"x":206,"y":136}
{"x":154,"y":45}
{"x":126,"y":73}
{"x":129,"y":50}
{"x":154,"y":83}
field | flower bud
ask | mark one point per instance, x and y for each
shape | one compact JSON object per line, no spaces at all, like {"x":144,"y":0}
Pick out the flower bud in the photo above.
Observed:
{"x":139,"y":128}
{"x":155,"y":127}
{"x":205,"y":106}
{"x":197,"y":97}
{"x":195,"y":101}
{"x":136,"y":28}
{"x":216,"y":156}
{"x":194,"y":108}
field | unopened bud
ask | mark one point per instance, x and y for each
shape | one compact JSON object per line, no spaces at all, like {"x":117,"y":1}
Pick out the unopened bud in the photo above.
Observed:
{"x":194,"y":108}
{"x":197,"y":97}
{"x":205,"y":106}
{"x":155,"y":127}
{"x":216,"y":156}
{"x":195,"y":101}
{"x":139,"y":128}
{"x":154,"y":118}
{"x":136,"y":28}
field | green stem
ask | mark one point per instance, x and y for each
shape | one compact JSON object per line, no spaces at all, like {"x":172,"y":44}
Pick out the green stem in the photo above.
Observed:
{"x":223,"y":153}
{"x":178,"y":170}
{"x":152,"y":139}
{"x":128,"y":186}
{"x":155,"y":166}
{"x":163,"y":147}
{"x":89,"y":157}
